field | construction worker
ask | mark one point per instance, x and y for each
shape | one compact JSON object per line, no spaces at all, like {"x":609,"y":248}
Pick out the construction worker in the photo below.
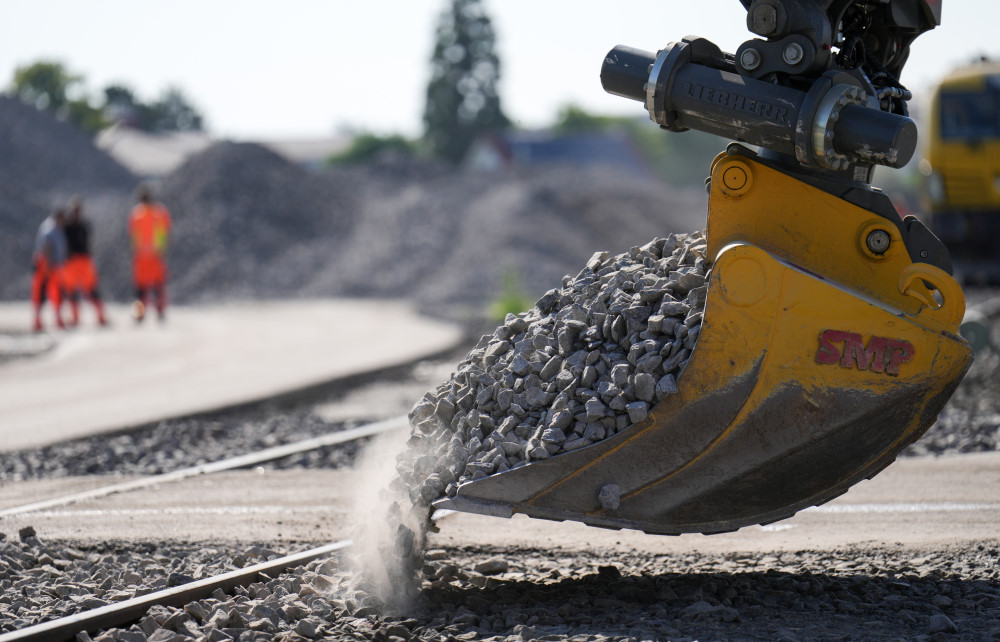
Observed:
{"x":149,"y":227}
{"x":48,"y":260}
{"x":80,"y":275}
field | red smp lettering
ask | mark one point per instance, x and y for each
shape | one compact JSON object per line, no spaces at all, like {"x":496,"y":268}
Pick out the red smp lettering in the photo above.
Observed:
{"x":880,"y":354}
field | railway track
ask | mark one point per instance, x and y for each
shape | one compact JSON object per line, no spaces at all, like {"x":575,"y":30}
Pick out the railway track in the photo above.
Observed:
{"x":984,"y":315}
{"x":124,"y":613}
{"x":241,"y":461}
{"x":128,"y":611}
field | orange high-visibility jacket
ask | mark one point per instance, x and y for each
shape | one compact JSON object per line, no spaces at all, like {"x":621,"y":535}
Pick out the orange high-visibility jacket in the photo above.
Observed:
{"x":149,"y":226}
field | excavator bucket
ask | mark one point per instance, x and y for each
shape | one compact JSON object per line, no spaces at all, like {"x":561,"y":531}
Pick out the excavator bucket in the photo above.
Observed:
{"x":819,"y":360}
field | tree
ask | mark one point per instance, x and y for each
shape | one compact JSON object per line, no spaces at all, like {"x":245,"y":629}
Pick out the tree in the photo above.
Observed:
{"x":573,"y":119}
{"x":121,"y":106}
{"x":366,"y":147}
{"x":172,"y":112}
{"x":462,"y":100}
{"x":45,"y":84}
{"x":49,"y":85}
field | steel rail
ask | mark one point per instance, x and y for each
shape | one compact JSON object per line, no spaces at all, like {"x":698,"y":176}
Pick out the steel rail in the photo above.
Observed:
{"x":240,"y":461}
{"x":128,"y":611}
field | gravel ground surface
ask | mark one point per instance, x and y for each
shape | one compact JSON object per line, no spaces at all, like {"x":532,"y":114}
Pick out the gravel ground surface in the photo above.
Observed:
{"x":850,"y":594}
{"x":526,"y":594}
{"x":180,"y":443}
{"x":970,"y":422}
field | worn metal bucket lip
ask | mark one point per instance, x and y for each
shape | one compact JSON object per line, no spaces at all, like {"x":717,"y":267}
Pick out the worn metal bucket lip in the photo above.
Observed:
{"x":880,"y":459}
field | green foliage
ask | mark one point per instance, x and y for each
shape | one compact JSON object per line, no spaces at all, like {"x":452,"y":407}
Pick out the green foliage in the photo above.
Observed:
{"x":87,"y":117}
{"x":462,"y":100}
{"x":122,"y":106}
{"x":49,"y":85}
{"x":683,"y":159}
{"x":45,"y":84}
{"x":171,"y":112}
{"x":573,"y":119}
{"x":512,"y":299}
{"x":366,"y":147}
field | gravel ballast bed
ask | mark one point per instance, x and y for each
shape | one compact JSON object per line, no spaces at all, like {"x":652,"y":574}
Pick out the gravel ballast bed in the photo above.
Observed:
{"x":180,"y":443}
{"x":527,"y":594}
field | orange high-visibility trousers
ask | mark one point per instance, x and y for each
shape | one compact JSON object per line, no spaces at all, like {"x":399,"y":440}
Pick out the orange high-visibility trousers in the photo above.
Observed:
{"x":47,"y":281}
{"x":148,"y":270}
{"x":80,"y":274}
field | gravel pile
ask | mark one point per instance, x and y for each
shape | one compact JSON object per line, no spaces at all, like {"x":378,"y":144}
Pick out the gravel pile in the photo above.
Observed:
{"x":249,"y":224}
{"x":586,"y":363}
{"x":448,"y":242}
{"x":44,"y":161}
{"x":528,"y":594}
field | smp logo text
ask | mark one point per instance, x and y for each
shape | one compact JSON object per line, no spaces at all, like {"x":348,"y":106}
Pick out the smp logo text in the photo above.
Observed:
{"x":880,"y":354}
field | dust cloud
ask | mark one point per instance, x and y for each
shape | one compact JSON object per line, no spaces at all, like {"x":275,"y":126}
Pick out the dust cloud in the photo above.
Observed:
{"x":390,"y":532}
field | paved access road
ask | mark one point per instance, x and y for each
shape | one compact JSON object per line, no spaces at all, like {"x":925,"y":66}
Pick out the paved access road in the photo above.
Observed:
{"x":200,"y":359}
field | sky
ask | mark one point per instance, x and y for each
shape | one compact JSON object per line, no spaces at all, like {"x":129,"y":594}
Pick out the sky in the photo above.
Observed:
{"x":267,"y":70}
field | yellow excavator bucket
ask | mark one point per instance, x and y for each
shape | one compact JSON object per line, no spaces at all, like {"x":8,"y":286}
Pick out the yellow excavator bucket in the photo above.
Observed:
{"x":829,"y":339}
{"x":819,"y":360}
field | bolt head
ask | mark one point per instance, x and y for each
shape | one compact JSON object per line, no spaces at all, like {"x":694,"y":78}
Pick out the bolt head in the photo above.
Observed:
{"x":763,"y":20}
{"x":878,"y":241}
{"x":750,"y":59}
{"x":793,"y":53}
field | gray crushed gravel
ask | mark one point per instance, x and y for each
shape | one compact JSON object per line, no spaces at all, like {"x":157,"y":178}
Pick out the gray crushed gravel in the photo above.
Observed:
{"x":588,"y":361}
{"x":512,"y":595}
{"x":181,"y":443}
{"x":970,"y":422}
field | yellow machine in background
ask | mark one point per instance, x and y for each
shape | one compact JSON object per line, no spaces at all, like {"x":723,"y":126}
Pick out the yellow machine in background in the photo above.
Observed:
{"x":962,"y":169}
